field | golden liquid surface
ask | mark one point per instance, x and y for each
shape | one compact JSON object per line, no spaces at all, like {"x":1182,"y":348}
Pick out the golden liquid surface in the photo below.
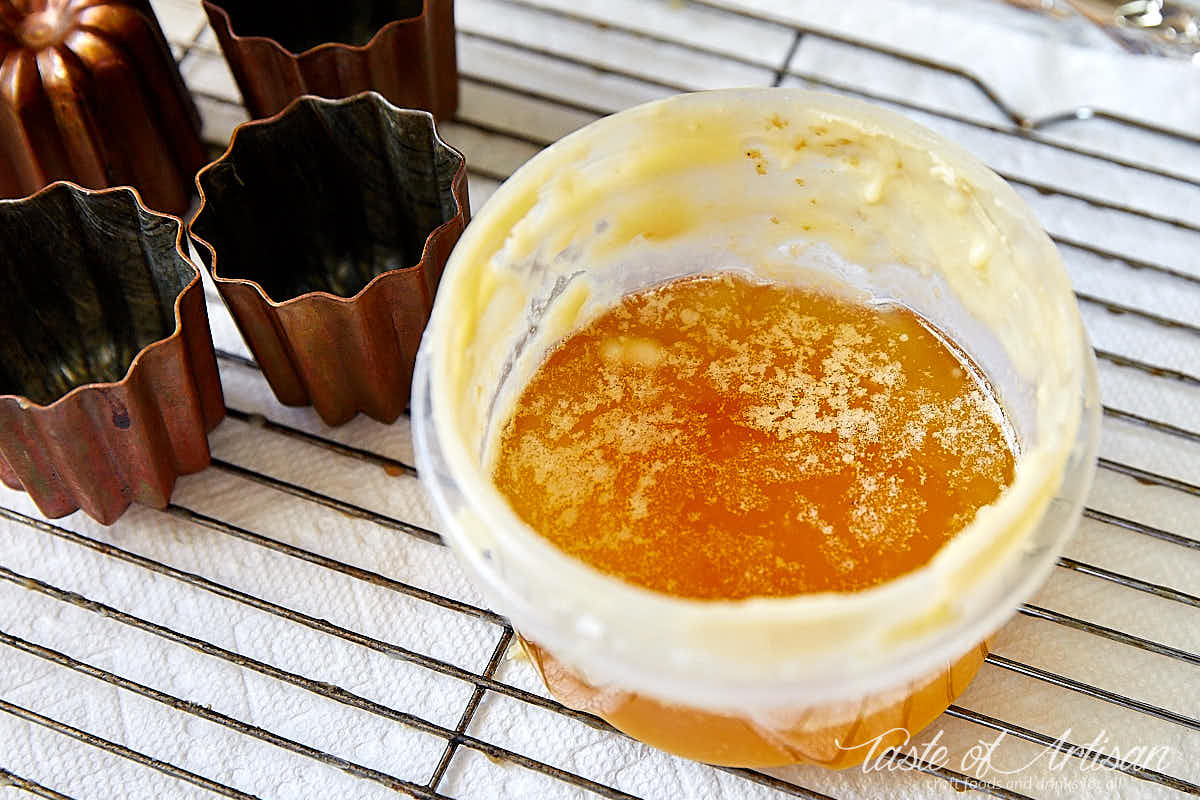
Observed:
{"x":714,"y":438}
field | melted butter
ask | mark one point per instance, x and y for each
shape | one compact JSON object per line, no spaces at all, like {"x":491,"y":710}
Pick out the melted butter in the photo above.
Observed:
{"x":894,"y":195}
{"x":714,"y":438}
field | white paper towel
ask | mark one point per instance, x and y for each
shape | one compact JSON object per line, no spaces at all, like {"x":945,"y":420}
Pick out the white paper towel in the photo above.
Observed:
{"x":1034,"y":76}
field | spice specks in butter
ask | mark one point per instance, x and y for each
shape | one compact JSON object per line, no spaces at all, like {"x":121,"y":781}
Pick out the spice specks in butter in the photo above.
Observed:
{"x":760,"y":164}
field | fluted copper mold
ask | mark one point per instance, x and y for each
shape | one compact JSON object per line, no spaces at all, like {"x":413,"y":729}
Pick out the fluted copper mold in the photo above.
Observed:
{"x":326,"y":229}
{"x":107,"y":359}
{"x":279,"y":50}
{"x":89,"y":93}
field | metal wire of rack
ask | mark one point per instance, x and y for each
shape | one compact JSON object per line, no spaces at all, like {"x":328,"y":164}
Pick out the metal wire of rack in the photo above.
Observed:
{"x":496,"y":144}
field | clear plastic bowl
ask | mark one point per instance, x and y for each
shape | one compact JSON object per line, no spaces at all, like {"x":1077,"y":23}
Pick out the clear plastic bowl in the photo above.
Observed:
{"x":796,"y":187}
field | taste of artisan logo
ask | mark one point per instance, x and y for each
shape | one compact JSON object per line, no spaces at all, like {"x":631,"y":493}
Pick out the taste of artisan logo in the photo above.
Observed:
{"x":984,"y":759}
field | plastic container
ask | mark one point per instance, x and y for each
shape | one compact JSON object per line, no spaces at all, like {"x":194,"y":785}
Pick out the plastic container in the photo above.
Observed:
{"x":796,"y":187}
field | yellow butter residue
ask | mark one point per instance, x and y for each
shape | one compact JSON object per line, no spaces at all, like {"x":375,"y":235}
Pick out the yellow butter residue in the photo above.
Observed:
{"x":892,"y":194}
{"x":654,"y":218}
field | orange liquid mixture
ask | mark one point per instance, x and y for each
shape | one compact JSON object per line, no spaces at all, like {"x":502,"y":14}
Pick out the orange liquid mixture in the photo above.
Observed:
{"x":715,"y":438}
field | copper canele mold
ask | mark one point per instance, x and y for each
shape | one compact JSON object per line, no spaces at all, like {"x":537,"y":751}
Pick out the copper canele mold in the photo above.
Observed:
{"x":89,"y":92}
{"x":278,"y":51}
{"x":326,"y":229}
{"x":107,"y":356}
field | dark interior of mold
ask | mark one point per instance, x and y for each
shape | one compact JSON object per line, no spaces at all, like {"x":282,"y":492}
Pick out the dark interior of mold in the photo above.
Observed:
{"x":327,"y":198}
{"x":302,"y":24}
{"x":85,"y":284}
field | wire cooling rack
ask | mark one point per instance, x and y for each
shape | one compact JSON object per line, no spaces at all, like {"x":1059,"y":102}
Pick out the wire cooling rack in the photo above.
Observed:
{"x":294,"y":609}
